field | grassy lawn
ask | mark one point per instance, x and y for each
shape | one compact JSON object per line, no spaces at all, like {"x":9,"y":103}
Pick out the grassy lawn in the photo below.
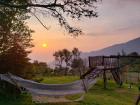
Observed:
{"x":59,"y":80}
{"x":96,"y":95}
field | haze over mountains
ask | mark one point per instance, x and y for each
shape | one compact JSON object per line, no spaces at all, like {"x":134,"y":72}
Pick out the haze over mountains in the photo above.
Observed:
{"x":128,"y":47}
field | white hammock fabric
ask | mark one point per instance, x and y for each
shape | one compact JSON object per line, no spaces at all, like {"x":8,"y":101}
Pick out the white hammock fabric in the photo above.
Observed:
{"x":51,"y":90}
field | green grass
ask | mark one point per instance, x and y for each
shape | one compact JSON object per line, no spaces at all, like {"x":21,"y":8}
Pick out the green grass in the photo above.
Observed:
{"x":96,"y":95}
{"x":111,"y":96}
{"x":59,"y":80}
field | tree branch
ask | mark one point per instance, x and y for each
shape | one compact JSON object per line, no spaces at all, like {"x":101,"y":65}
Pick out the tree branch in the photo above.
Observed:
{"x":59,"y":9}
{"x":39,"y":21}
{"x":31,"y":5}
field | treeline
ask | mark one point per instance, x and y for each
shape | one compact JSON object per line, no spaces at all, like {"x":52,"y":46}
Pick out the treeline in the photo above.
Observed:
{"x":24,"y":68}
{"x":130,"y":64}
{"x":15,"y":60}
{"x":67,"y":62}
{"x":130,"y":68}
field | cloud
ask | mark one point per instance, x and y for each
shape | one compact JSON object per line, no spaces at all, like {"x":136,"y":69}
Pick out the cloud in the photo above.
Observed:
{"x":116,"y":17}
{"x":127,"y":28}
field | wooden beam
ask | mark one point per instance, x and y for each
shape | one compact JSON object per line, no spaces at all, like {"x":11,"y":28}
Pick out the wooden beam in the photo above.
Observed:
{"x":88,"y":72}
{"x":121,"y":56}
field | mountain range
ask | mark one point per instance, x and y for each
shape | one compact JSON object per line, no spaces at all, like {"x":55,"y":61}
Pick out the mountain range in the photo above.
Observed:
{"x":127,"y":47}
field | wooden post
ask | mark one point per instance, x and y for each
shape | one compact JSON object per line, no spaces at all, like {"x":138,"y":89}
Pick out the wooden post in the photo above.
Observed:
{"x":119,"y":72}
{"x":105,"y":79}
{"x":138,"y":99}
{"x":104,"y":74}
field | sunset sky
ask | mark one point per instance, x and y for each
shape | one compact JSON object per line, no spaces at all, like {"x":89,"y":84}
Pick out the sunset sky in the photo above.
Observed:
{"x":118,"y":21}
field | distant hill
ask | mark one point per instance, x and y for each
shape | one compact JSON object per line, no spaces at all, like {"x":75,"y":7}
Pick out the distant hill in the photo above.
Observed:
{"x":128,"y":47}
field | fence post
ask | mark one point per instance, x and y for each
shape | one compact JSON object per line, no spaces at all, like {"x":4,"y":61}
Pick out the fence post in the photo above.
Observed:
{"x":104,"y":74}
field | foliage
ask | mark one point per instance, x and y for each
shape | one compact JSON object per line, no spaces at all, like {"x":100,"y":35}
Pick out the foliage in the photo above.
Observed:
{"x":132,"y":64}
{"x":23,"y":99}
{"x":63,"y":58}
{"x":58,"y":9}
{"x":68,"y":61}
{"x":14,"y":60}
{"x":130,"y":68}
{"x":77,"y":63}
{"x":76,"y":53}
{"x":13,"y":27}
{"x":15,"y":38}
{"x":10,"y":89}
{"x":40,"y":69}
{"x":59,"y":58}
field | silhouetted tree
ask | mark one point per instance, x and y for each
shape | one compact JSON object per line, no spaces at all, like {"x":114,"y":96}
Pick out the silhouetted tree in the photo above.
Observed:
{"x":59,"y":58}
{"x":67,"y":58}
{"x":63,"y":58}
{"x":76,"y":53}
{"x":12,"y":23}
{"x":77,"y":65}
{"x":76,"y":62}
{"x":68,"y":61}
{"x":40,"y":68}
{"x":15,"y":38}
{"x":59,"y":9}
{"x":133,"y":54}
{"x":14,"y":60}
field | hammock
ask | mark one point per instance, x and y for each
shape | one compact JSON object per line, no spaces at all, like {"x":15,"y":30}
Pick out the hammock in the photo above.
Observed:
{"x":53,"y":92}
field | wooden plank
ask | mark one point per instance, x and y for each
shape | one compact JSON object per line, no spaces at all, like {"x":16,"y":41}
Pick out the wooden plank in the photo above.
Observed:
{"x":88,"y":72}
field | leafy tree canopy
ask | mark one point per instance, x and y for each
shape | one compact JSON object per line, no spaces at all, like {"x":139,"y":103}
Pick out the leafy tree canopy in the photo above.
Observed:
{"x":59,"y":9}
{"x":15,"y":38}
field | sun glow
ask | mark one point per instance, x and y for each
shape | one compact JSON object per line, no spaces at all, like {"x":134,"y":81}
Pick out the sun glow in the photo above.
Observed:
{"x":44,"y":45}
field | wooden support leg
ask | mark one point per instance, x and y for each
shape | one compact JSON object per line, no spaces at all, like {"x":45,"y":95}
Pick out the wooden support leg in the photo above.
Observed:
{"x":105,"y":79}
{"x":138,"y":99}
